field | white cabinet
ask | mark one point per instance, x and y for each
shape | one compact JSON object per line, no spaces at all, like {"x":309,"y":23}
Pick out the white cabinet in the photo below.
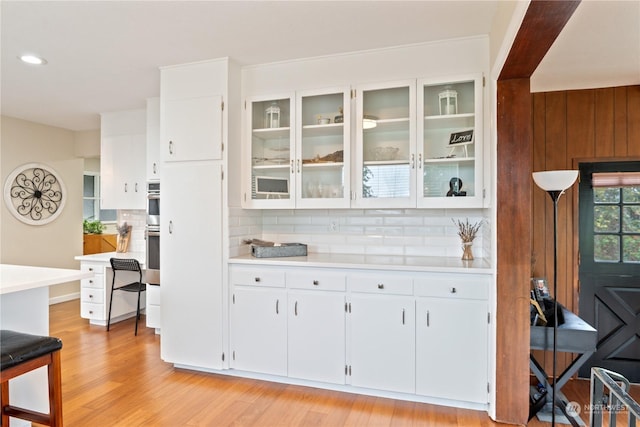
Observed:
{"x":451,"y":338}
{"x":419,"y":333}
{"x":450,"y":135}
{"x":259,"y":330}
{"x":385,"y":165}
{"x":153,"y":307}
{"x":95,"y":294}
{"x":122,"y":159}
{"x":192,"y":129}
{"x":153,"y":139}
{"x":269,"y":157}
{"x":382,"y":322}
{"x":299,"y":152}
{"x":316,"y":325}
{"x":191,"y":260}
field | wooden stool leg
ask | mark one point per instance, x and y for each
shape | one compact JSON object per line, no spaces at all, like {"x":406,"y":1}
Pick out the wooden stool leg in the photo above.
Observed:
{"x":55,"y":390}
{"x":4,"y":401}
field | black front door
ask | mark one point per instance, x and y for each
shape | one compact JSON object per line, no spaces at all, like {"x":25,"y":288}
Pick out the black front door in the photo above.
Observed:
{"x":609,"y":269}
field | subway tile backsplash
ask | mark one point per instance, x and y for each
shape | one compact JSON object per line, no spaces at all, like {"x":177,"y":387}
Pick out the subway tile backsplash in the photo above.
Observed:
{"x":411,"y":232}
{"x":137,"y":219}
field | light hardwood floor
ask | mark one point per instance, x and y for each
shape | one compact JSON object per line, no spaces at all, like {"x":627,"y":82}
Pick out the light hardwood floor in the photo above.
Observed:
{"x":117,"y":379}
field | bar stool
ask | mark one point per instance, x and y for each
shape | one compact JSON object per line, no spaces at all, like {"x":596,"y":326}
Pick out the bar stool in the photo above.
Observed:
{"x":22,"y":353}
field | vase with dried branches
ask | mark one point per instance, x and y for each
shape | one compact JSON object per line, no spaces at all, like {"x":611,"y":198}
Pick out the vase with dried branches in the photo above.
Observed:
{"x":467,"y":232}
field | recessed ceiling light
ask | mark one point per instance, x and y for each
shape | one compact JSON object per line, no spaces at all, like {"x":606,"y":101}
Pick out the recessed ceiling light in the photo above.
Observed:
{"x":32,"y":59}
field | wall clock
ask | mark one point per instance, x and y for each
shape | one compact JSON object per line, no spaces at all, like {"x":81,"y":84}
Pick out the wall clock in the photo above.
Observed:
{"x":35,"y":194}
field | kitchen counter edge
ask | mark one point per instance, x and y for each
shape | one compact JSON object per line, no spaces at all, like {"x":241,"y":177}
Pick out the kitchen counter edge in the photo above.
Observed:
{"x":373,"y":262}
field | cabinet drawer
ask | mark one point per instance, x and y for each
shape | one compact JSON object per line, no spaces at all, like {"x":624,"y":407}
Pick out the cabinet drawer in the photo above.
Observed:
{"x":93,"y":267}
{"x":92,"y":295}
{"x":453,"y":286}
{"x":381,"y":283}
{"x":317,"y":279}
{"x":258,"y":276}
{"x":96,"y":282}
{"x":92,"y":311}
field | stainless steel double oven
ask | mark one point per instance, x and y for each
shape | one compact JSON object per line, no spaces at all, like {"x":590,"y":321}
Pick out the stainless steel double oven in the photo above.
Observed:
{"x":153,"y":233}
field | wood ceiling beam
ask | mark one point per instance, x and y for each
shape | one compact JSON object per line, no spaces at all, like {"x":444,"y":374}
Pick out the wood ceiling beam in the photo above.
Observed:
{"x":542,"y":23}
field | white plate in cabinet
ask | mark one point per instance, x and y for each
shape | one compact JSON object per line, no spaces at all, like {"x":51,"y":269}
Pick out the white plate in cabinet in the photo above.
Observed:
{"x":381,"y":283}
{"x":316,"y":336}
{"x":315,"y":279}
{"x":463,"y":286}
{"x":256,"y":276}
{"x":452,"y":349}
{"x":383,"y":342}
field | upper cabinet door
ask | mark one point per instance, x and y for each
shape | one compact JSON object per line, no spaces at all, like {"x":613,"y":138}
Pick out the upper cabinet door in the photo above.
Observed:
{"x":450,"y":137}
{"x":191,"y":128}
{"x":322,"y":148}
{"x":269,"y":173}
{"x":385,"y":148}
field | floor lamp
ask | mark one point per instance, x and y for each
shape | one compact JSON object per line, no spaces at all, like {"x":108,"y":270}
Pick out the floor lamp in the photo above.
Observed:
{"x":555,"y":183}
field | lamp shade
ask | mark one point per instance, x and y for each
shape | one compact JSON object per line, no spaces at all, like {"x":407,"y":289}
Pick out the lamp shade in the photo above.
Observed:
{"x":555,"y":180}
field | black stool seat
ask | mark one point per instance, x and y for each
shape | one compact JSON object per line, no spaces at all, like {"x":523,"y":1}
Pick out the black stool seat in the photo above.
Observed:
{"x":21,"y":353}
{"x":18,"y":347}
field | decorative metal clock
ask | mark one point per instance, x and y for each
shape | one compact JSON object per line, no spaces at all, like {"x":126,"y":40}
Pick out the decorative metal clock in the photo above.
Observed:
{"x":35,"y":194}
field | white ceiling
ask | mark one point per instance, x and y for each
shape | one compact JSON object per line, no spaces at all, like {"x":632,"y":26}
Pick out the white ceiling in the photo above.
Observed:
{"x":104,"y":55}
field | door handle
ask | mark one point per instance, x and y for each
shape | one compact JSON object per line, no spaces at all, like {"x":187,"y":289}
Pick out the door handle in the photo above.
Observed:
{"x":170,"y":147}
{"x":170,"y":227}
{"x":277,"y":306}
{"x":295,"y":308}
{"x":403,"y":316}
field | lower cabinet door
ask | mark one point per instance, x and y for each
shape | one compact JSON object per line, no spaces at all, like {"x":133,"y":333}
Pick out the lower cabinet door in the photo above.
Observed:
{"x":316,"y":339}
{"x":451,"y":348}
{"x":259,"y":330}
{"x":383,"y":342}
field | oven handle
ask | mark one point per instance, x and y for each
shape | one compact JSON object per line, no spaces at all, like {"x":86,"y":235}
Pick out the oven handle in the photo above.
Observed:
{"x":153,"y":196}
{"x":153,"y":233}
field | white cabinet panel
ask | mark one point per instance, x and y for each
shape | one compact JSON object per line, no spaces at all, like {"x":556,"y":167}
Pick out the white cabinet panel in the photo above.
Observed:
{"x":191,"y":259}
{"x":451,"y":346}
{"x":383,"y":342}
{"x":191,"y":129}
{"x":317,"y":336}
{"x":153,"y":139}
{"x":123,"y":176}
{"x":259,"y":330}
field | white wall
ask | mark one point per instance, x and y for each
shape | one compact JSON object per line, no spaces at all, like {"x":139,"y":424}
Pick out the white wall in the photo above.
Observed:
{"x":56,"y":243}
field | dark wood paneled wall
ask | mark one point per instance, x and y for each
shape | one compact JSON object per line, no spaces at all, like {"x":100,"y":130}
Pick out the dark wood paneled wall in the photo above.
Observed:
{"x":570,"y":127}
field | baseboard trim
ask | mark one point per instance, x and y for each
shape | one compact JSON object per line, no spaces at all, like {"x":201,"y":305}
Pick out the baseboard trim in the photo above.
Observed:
{"x":64,"y":298}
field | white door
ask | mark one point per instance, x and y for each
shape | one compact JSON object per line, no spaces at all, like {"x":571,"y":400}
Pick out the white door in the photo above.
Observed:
{"x":123,"y":172}
{"x":259,"y":330}
{"x":191,"y":129}
{"x":451,"y":348}
{"x":191,"y":263}
{"x":383,"y":342}
{"x":317,"y":336}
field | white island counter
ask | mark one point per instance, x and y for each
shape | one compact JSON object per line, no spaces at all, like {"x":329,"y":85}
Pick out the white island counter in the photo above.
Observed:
{"x":24,"y":307}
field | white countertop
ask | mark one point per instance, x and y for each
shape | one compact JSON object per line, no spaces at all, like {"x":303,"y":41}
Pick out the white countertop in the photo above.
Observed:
{"x":16,"y":278}
{"x":368,"y":262}
{"x":105,"y":256}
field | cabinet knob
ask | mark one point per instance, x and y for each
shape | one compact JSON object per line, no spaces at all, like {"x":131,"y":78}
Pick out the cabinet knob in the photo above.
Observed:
{"x":126,"y":188}
{"x":453,"y":290}
{"x":90,"y":296}
{"x":90,"y":311}
{"x":90,"y":269}
{"x":90,"y":281}
{"x":316,"y":283}
{"x":170,"y":147}
{"x":257,"y":279}
{"x":380,"y":285}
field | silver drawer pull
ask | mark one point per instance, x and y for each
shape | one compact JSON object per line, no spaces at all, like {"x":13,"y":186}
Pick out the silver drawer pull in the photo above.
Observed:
{"x":453,"y":290}
{"x":256,"y":279}
{"x":380,"y":285}
{"x":316,"y":283}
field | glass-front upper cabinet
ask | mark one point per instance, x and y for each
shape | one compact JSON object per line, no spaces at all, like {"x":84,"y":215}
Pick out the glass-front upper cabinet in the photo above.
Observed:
{"x":271,"y":158}
{"x":385,"y":149}
{"x":322,"y":156}
{"x":450,"y":142}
